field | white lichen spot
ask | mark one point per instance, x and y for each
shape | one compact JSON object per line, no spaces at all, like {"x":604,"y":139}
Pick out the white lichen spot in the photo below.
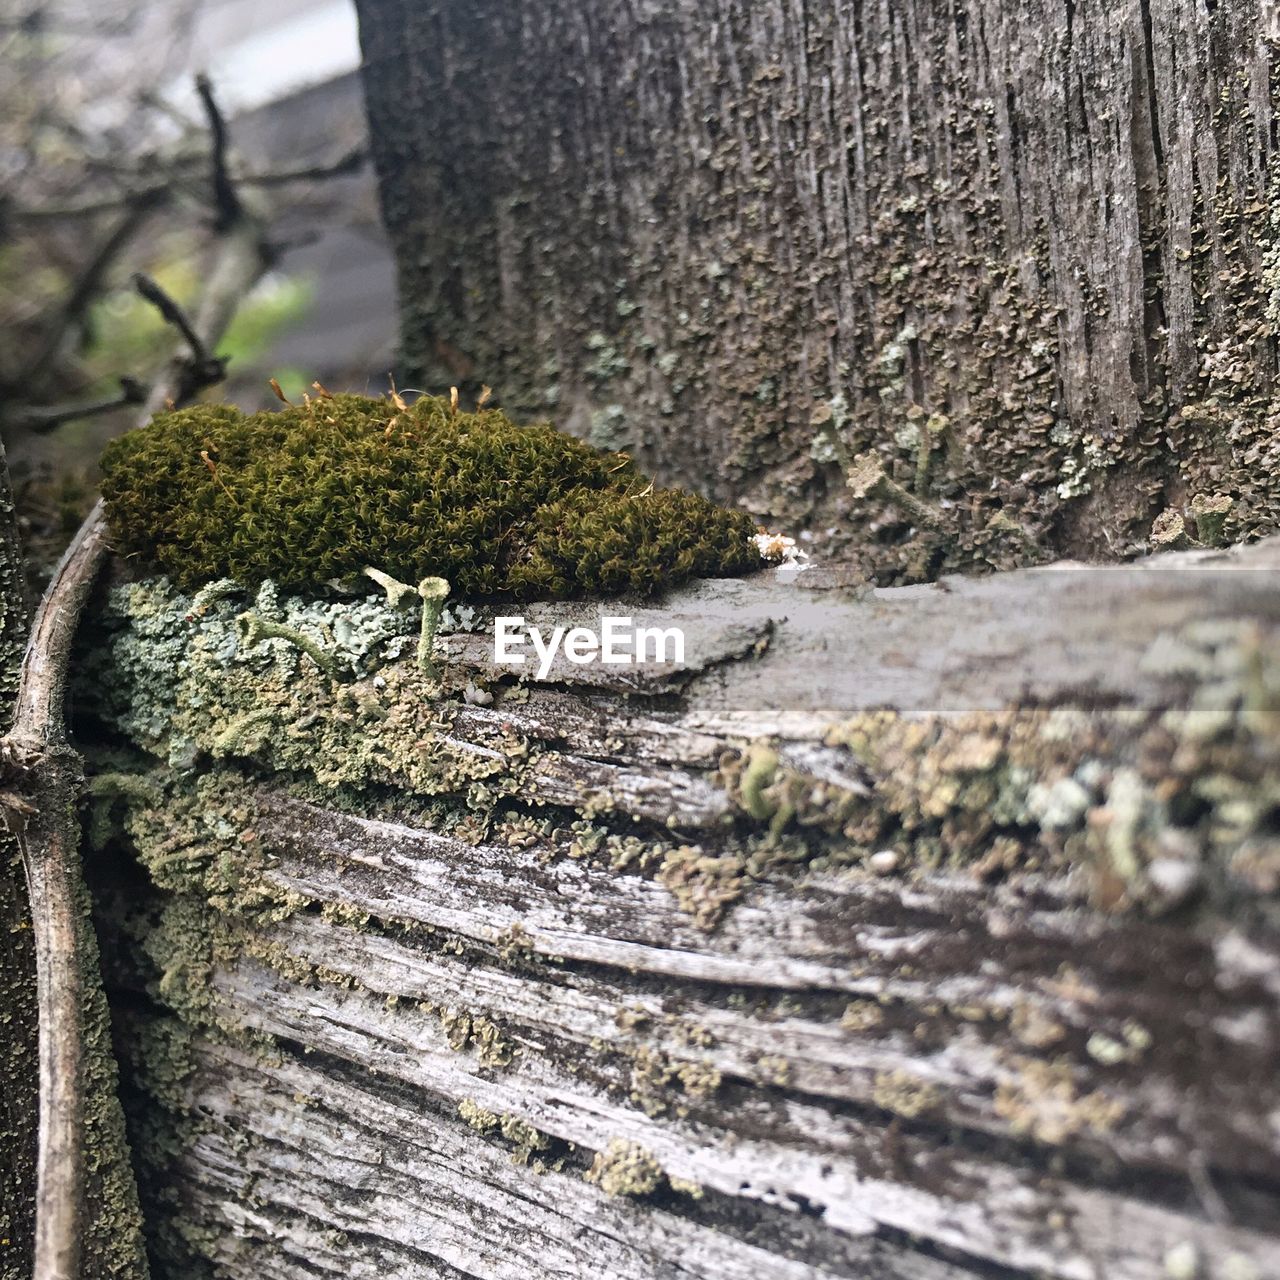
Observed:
{"x":779,"y":549}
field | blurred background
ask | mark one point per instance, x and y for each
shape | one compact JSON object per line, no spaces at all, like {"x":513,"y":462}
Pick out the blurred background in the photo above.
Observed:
{"x":104,"y":172}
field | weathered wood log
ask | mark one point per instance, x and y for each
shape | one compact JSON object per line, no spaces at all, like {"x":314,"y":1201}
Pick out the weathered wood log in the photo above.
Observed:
{"x":717,"y":968}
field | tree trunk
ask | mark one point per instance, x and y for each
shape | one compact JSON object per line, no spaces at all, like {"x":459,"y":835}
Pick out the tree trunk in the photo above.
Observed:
{"x":710,"y":969}
{"x":1020,"y":250}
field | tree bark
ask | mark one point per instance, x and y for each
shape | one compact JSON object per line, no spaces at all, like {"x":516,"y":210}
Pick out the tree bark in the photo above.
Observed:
{"x":1020,"y":250}
{"x":19,"y":1026}
{"x":716,"y":968}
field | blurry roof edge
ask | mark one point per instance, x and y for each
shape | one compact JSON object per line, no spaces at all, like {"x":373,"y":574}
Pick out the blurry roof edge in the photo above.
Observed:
{"x":258,"y":52}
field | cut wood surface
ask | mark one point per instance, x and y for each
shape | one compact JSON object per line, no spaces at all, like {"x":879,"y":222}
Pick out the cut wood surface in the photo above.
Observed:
{"x":1039,"y":1040}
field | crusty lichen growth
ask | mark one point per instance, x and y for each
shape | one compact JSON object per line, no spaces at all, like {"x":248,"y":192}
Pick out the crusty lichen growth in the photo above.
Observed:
{"x":525,"y":1140}
{"x":466,"y":1030}
{"x":704,"y":884}
{"x":904,"y":1094}
{"x":1043,"y":1100}
{"x":319,"y":491}
{"x":1155,"y":807}
{"x":659,"y":1083}
{"x":171,"y":672}
{"x":1226,"y":435}
{"x":861,"y":1015}
{"x":1145,"y":808}
{"x":625,"y":1169}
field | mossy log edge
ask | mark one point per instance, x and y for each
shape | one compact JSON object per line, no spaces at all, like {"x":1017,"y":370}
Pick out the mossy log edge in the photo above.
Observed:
{"x":455,"y":1055}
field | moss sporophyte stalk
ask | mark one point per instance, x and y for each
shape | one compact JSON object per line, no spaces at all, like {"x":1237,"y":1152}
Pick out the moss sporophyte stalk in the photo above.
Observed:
{"x":318,"y":491}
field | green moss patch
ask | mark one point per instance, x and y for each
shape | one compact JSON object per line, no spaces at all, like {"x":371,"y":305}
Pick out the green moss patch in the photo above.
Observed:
{"x":321,"y":490}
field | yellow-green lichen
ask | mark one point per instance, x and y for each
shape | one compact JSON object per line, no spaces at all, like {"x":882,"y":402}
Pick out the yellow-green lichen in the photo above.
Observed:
{"x":904,"y":1094}
{"x":170,"y":672}
{"x":625,"y":1169}
{"x":1042,"y":1099}
{"x":465,"y":1031}
{"x":1156,"y":808}
{"x":685,"y":1187}
{"x":704,"y":885}
{"x":861,"y":1015}
{"x":523,"y":1137}
{"x":659,"y":1082}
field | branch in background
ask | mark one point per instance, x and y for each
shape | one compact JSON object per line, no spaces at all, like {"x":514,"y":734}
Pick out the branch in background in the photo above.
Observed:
{"x":45,"y":419}
{"x":171,"y":311}
{"x":226,"y":200}
{"x":48,"y":776}
{"x":87,"y":288}
{"x":199,"y":367}
{"x":37,"y":21}
{"x":192,"y":370}
{"x":350,"y":162}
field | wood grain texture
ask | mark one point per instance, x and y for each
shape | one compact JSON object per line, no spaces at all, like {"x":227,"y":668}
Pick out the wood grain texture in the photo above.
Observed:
{"x":944,"y":1071}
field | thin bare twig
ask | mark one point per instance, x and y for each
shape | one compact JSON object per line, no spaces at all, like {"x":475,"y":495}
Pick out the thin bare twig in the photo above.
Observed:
{"x":46,"y":417}
{"x":349,"y":162}
{"x":173,"y":314}
{"x":198,"y":367}
{"x":226,"y":200}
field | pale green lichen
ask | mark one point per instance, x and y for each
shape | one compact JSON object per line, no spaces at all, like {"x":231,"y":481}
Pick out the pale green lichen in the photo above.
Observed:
{"x":252,"y":628}
{"x":465,"y":1031}
{"x":170,"y":674}
{"x":686,"y":1187}
{"x":861,"y":1015}
{"x":433,"y":592}
{"x":524,"y":1138}
{"x":868,"y":481}
{"x":1156,"y":807}
{"x":659,"y":1082}
{"x":904,"y":1094}
{"x":397,"y":591}
{"x":774,"y":1070}
{"x":999,"y":792}
{"x":625,"y":1169}
{"x":1043,"y":1100}
{"x":704,"y":885}
{"x":761,"y":763}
